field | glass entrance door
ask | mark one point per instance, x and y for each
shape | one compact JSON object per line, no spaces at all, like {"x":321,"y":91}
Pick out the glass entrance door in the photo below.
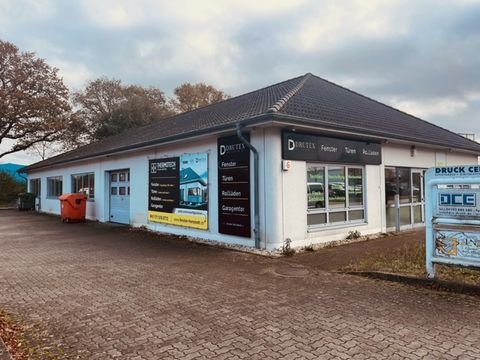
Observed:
{"x":404,"y":193}
{"x":418,"y":204}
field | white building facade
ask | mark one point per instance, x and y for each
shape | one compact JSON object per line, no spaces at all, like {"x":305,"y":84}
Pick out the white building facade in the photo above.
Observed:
{"x":316,"y":183}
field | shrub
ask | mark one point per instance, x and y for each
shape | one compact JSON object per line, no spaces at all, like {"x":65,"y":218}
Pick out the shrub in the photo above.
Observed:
{"x":10,"y":188}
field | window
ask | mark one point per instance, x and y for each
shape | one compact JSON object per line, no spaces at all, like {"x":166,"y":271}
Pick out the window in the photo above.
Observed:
{"x":84,"y":183}
{"x":335,"y":194}
{"x":194,"y":191}
{"x":54,"y":186}
{"x":35,"y":187}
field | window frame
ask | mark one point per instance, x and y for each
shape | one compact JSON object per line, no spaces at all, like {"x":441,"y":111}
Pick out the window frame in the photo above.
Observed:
{"x":327,"y":210}
{"x":35,"y":186}
{"x":52,"y":184}
{"x":85,"y":183}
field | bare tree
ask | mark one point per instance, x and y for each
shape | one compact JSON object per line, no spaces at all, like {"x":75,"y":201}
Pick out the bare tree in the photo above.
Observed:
{"x":106,"y":107}
{"x":34,"y":103}
{"x":192,"y":96}
{"x":46,"y":149}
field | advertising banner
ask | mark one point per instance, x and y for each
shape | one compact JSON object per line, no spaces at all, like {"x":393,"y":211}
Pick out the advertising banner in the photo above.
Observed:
{"x":178,"y":191}
{"x":234,"y":187}
{"x":459,"y":244}
{"x":296,"y":146}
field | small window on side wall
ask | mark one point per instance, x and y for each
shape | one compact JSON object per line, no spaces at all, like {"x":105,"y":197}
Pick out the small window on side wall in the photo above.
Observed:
{"x":84,"y":183}
{"x":54,"y":186}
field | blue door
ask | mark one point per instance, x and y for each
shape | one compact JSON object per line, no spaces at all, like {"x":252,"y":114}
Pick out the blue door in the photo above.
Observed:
{"x":120,"y":196}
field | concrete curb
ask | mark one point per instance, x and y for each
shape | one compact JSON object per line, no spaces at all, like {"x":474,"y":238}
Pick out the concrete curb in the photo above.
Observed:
{"x":433,"y":284}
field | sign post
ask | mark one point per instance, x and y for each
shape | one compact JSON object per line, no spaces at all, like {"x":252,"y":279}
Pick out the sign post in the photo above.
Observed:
{"x":452,"y":217}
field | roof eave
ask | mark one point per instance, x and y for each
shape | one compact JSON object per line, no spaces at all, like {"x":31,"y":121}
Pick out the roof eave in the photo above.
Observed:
{"x":297,"y":120}
{"x":148,"y":144}
{"x":256,"y":120}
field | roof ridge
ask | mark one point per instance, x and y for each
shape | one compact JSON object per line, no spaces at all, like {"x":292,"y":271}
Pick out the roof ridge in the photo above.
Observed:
{"x":280,"y":103}
{"x":226,"y":100}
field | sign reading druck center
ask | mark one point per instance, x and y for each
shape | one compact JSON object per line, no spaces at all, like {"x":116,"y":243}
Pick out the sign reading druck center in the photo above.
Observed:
{"x":178,"y":191}
{"x":233,"y":187}
{"x":453,"y":216}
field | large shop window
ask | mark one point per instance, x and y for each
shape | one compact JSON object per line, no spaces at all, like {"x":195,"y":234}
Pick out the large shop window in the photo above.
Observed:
{"x":344,"y":200}
{"x":84,"y":183}
{"x":54,"y":186}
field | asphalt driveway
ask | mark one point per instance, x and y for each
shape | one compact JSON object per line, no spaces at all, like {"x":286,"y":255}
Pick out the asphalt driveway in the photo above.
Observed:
{"x":107,"y":292}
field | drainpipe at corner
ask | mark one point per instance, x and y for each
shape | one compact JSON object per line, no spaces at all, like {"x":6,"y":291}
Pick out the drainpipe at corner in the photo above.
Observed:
{"x":256,"y":184}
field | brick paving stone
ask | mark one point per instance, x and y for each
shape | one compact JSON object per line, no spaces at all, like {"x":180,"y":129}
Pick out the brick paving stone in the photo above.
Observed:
{"x":107,"y":292}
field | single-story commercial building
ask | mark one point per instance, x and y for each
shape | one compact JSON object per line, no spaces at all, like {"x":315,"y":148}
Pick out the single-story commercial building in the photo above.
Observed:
{"x":304,"y":159}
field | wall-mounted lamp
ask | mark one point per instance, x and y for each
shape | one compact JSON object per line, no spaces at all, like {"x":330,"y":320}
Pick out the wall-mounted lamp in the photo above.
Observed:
{"x":413,"y":151}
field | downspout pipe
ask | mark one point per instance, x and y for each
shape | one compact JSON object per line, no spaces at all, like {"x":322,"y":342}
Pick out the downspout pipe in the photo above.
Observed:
{"x":256,"y":185}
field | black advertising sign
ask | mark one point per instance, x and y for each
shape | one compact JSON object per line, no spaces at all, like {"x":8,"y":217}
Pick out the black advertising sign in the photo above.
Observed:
{"x":163,"y":184}
{"x":178,"y":191}
{"x":297,"y":146}
{"x":233,"y":187}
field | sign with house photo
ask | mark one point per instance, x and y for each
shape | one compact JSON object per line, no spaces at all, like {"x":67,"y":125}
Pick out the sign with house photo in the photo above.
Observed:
{"x":178,"y":191}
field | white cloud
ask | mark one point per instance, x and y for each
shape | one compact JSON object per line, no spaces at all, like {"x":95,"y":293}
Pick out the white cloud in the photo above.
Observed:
{"x":25,"y":10}
{"x":75,"y":75}
{"x":21,"y":157}
{"x":430,"y":108}
{"x":332,"y":23}
{"x":125,"y":13}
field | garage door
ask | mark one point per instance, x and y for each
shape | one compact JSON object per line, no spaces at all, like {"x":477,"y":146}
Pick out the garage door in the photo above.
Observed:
{"x":120,"y":196}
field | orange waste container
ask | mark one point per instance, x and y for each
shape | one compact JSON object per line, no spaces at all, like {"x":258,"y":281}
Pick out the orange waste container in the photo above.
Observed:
{"x":73,"y":207}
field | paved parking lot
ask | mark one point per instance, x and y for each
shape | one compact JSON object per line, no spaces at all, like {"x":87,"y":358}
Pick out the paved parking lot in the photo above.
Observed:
{"x":107,"y":292}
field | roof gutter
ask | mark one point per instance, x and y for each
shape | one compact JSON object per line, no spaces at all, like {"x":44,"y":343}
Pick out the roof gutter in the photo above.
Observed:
{"x":256,"y":184}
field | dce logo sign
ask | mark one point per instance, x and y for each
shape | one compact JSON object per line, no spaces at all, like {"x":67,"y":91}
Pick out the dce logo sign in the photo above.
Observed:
{"x":462,"y":199}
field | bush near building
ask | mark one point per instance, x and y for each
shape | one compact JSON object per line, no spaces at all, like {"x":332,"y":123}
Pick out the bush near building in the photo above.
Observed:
{"x":9,"y":189}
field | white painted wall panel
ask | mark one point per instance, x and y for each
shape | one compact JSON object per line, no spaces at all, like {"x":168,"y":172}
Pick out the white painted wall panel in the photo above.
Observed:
{"x":400,"y":155}
{"x":283,"y":195}
{"x":137,"y":163}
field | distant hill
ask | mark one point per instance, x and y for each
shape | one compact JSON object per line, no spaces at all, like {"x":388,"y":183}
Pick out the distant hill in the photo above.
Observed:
{"x":12,"y":169}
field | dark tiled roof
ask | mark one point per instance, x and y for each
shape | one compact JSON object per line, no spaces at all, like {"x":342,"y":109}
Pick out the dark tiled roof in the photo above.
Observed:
{"x":304,"y":98}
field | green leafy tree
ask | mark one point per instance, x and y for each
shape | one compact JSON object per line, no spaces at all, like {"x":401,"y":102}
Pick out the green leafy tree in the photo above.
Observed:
{"x":34,"y":102}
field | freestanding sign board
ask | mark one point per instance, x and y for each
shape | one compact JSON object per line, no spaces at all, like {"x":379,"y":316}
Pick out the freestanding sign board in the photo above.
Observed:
{"x":452,"y":216}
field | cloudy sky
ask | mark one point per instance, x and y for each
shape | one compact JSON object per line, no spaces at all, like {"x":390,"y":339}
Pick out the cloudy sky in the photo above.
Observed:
{"x":420,"y":56}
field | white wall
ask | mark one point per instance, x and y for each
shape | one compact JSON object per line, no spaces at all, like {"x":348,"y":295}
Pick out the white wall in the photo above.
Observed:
{"x":400,"y":155}
{"x":137,"y":163}
{"x":283,"y":195}
{"x":295,"y":211}
{"x":294,"y":190}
